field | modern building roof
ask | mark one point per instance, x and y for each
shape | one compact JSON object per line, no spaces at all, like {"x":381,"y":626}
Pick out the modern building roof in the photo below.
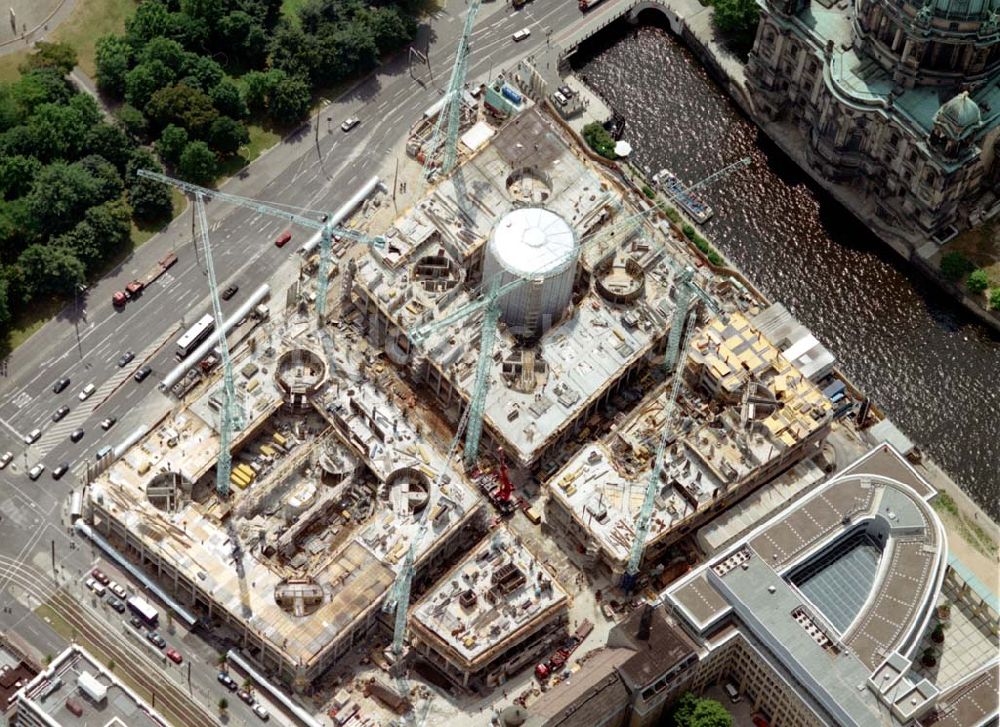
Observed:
{"x":45,"y":697}
{"x":832,"y":640}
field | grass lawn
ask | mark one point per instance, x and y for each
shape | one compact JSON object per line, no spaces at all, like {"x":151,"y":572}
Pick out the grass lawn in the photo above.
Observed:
{"x":261,"y":140}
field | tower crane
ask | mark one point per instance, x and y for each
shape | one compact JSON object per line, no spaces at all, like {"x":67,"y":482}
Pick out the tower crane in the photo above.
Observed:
{"x":646,"y":511}
{"x":452,"y":109}
{"x":327,"y":231}
{"x":231,"y":414}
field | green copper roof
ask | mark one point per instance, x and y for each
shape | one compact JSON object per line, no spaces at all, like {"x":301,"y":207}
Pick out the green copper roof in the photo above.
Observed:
{"x":959,"y":116}
{"x":968,"y":9}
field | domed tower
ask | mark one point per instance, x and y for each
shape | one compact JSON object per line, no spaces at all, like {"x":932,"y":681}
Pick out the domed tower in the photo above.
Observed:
{"x":955,"y":124}
{"x":538,"y":246}
{"x":938,"y":42}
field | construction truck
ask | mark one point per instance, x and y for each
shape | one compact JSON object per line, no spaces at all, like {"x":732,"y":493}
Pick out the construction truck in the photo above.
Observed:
{"x":133,"y":289}
{"x":586,"y":5}
{"x":503,"y":496}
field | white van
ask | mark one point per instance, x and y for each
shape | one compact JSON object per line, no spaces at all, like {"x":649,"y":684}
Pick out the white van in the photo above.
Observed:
{"x":734,"y":695}
{"x":87,"y":391}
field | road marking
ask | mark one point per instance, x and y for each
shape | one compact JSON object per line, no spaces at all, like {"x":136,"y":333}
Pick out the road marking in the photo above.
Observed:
{"x":19,"y":436}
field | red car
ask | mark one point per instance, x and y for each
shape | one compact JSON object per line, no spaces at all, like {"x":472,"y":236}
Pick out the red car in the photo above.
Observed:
{"x":283,"y":239}
{"x":175,"y":656}
{"x":98,"y":575}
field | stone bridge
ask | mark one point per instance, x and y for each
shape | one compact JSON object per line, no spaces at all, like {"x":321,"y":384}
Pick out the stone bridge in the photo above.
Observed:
{"x":609,"y":11}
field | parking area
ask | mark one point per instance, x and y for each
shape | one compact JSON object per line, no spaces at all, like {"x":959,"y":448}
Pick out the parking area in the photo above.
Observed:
{"x":742,"y":711}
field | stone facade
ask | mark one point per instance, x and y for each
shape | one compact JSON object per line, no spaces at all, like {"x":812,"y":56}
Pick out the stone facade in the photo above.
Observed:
{"x":900,"y":102}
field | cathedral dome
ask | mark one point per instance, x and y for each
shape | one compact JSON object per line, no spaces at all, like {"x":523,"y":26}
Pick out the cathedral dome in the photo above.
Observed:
{"x":958,"y":117}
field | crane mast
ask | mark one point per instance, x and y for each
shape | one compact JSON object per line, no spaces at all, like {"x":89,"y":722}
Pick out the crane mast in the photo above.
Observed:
{"x":230,"y":416}
{"x":646,"y":511}
{"x":452,"y":109}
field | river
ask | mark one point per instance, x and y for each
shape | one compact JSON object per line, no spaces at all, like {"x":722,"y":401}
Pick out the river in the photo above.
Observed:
{"x":926,"y":361}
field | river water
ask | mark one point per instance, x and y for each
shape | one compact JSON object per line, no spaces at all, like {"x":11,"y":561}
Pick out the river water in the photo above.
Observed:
{"x":922,"y":358}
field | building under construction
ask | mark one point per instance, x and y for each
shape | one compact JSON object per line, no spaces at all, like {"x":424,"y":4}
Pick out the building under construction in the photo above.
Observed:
{"x":497,"y":612}
{"x":744,"y":414}
{"x":328,"y":482}
{"x":586,"y":298}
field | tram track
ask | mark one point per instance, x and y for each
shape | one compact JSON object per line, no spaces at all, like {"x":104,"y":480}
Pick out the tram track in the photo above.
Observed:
{"x":129,"y":661}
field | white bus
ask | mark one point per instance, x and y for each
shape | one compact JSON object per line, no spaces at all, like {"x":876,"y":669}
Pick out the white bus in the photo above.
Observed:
{"x":194,"y":335}
{"x":142,"y":608}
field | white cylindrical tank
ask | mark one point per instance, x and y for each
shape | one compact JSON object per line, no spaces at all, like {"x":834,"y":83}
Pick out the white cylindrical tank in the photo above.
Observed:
{"x":537,"y":245}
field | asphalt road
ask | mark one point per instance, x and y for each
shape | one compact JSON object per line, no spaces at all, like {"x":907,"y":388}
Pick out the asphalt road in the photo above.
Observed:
{"x":85,"y":340}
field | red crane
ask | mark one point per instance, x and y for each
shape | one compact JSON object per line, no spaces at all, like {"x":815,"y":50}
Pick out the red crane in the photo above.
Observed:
{"x":506,"y":487}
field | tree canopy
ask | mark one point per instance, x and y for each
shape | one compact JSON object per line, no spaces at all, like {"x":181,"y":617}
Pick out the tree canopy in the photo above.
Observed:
{"x":691,"y":711}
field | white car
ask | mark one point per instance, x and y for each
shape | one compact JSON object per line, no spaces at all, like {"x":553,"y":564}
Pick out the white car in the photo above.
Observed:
{"x":35,"y":472}
{"x":96,"y":587}
{"x":117,"y":590}
{"x":32,"y":436}
{"x":261,"y":712}
{"x":87,"y":391}
{"x":521,"y":34}
{"x":350,"y":123}
{"x":5,"y":459}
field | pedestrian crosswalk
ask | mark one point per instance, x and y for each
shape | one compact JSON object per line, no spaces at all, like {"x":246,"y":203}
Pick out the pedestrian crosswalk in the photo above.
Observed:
{"x":79,"y":414}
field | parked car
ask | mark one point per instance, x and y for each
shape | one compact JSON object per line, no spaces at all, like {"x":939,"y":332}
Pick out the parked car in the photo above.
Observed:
{"x":156,"y":640}
{"x":87,"y":391}
{"x":230,"y":292}
{"x":283,"y":239}
{"x":521,"y":34}
{"x":261,"y":712}
{"x":246,"y":696}
{"x":5,"y":459}
{"x":137,"y":622}
{"x":32,"y":436}
{"x":106,"y":424}
{"x":350,"y":123}
{"x":142,"y":373}
{"x":60,"y":413}
{"x":175,"y":656}
{"x":60,"y":470}
{"x":98,"y":589}
{"x":125,"y":358}
{"x":118,"y":590}
{"x":227,"y":681}
{"x":60,"y":385}
{"x":117,"y":604}
{"x":76,"y":435}
{"x":35,"y":472}
{"x":98,"y":575}
{"x":566,"y":91}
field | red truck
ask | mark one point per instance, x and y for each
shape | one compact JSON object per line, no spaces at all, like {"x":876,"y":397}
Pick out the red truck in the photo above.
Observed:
{"x":133,"y":289}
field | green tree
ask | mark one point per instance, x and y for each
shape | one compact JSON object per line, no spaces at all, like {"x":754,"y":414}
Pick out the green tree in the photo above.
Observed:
{"x":5,"y":313}
{"x":228,"y":100}
{"x":60,"y":195}
{"x":171,"y":143}
{"x":150,"y":200}
{"x":258,"y":86}
{"x":57,"y":131}
{"x":227,"y":135}
{"x":683,"y":709}
{"x":738,"y":19}
{"x":978,"y":281}
{"x":182,"y":105}
{"x":709,"y":713}
{"x":955,"y":266}
{"x":165,"y":50}
{"x":198,"y":163}
{"x":208,"y":10}
{"x":49,"y":270}
{"x":132,"y":122}
{"x":143,"y":81}
{"x":223,"y":705}
{"x":57,"y":56}
{"x":40,"y":86}
{"x":10,"y":110}
{"x":113,"y":59}
{"x":390,"y":28}
{"x":109,"y":142}
{"x":17,"y":173}
{"x":201,"y":72}
{"x":150,"y":20}
{"x":107,"y":183}
{"x":111,"y":226}
{"x":598,"y":138}
{"x":289,"y":101}
{"x":245,"y":36}
{"x":995,"y":299}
